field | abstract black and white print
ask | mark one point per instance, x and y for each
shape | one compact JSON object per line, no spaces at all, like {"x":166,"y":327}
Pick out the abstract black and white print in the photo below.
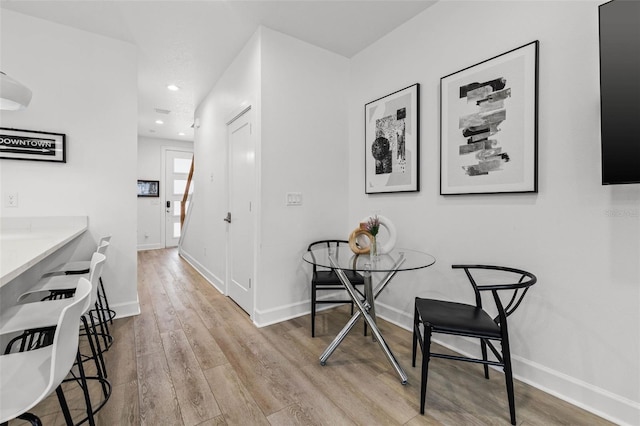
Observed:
{"x":480,"y":128}
{"x":391,"y":135}
{"x":388,"y":149}
{"x":488,"y":140}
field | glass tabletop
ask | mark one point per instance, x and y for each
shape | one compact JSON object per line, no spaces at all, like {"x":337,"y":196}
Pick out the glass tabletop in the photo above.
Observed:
{"x":399,"y":259}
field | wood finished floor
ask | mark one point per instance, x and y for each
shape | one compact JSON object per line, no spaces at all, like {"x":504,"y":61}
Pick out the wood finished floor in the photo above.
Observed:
{"x":192,"y":357}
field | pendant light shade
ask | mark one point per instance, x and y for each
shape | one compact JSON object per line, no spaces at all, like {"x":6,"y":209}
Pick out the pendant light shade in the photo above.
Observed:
{"x":13,"y":95}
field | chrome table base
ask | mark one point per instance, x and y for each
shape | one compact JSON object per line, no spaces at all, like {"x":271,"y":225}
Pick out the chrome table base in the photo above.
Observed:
{"x":366,"y":308}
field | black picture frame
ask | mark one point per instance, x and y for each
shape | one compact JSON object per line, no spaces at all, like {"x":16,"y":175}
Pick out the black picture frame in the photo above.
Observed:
{"x":148,"y":188}
{"x":489,"y":125}
{"x":32,"y":145}
{"x":392,"y":142}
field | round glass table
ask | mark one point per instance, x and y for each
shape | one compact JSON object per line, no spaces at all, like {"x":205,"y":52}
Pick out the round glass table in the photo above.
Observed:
{"x":342,"y":259}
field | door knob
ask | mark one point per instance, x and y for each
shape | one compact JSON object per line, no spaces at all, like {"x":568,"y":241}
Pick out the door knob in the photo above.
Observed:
{"x":228,"y":218}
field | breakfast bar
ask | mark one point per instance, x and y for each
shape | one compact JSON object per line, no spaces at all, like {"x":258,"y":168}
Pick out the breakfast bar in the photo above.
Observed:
{"x":26,"y":241}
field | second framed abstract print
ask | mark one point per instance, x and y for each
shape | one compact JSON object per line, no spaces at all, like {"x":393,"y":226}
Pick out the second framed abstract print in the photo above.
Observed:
{"x":488,"y":125}
{"x":392,"y":142}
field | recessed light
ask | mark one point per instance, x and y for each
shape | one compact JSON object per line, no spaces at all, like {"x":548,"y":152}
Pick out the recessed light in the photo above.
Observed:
{"x":173,"y":87}
{"x":181,"y":134}
{"x":159,"y":122}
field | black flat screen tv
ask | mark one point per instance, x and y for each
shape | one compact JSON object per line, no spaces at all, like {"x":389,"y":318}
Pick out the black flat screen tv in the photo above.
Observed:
{"x":620,"y":91}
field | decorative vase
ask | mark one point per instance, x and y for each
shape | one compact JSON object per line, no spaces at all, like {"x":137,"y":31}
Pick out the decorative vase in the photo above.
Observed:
{"x":374,"y":247}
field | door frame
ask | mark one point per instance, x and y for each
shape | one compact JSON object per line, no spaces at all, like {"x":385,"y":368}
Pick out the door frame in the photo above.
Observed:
{"x":238,"y":113}
{"x":163,"y":198}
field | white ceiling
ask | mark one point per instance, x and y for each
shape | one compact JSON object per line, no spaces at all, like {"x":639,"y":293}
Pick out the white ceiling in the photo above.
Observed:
{"x":191,"y":43}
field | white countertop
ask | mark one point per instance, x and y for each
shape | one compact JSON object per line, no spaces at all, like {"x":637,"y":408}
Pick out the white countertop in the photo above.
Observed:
{"x":26,"y":241}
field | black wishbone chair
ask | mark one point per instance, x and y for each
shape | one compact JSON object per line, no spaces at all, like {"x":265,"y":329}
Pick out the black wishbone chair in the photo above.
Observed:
{"x":437,"y":316}
{"x":324,"y":279}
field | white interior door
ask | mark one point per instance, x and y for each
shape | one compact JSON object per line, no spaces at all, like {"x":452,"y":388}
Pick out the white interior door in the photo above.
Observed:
{"x":242,"y":184}
{"x":177,"y":166}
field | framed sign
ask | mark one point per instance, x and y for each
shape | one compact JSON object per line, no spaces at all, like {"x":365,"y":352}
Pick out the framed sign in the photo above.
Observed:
{"x":16,"y":144}
{"x":392,"y":142}
{"x":148,"y":188}
{"x":489,"y":125}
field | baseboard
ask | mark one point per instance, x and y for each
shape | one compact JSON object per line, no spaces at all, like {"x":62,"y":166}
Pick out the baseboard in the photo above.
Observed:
{"x":128,"y":309}
{"x":207,"y":274}
{"x":294,"y":310}
{"x":279,"y":314}
{"x":600,"y":402}
{"x":142,"y":247}
{"x":610,"y":406}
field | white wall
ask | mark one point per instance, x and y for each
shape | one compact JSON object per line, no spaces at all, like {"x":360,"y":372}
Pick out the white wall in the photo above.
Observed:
{"x":205,"y":235}
{"x":578,"y":331}
{"x":84,"y":86}
{"x":151,"y":212}
{"x":300,"y":126}
{"x":304,"y":149}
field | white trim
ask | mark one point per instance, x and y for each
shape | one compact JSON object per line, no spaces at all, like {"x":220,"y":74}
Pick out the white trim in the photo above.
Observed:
{"x":163,"y":205}
{"x":216,"y":282}
{"x":601,"y":402}
{"x":239,"y":112}
{"x":293,"y":310}
{"x":281,"y":313}
{"x":143,"y":247}
{"x":127,"y":309}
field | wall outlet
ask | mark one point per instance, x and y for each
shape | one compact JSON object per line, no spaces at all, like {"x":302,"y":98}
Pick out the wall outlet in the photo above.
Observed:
{"x":12,"y":200}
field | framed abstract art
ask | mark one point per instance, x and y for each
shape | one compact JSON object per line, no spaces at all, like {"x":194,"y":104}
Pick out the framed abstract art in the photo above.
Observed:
{"x":489,"y":125}
{"x":392,"y":142}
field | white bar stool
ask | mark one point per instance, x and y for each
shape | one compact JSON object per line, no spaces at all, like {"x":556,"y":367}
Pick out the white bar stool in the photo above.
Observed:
{"x":82,"y":267}
{"x":62,"y":286}
{"x":35,"y":320}
{"x":27,"y":378}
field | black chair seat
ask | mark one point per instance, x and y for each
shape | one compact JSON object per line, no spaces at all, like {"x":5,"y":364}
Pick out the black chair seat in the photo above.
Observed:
{"x":457,"y":318}
{"x":324,"y":278}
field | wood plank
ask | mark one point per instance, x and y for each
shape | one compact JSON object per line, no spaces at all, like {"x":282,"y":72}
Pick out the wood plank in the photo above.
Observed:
{"x":204,"y":346}
{"x":197,"y":403}
{"x":147,"y":334}
{"x":163,"y":308}
{"x":256,"y":369}
{"x":157,"y":397}
{"x":208,"y":314}
{"x":217,"y":421}
{"x":121,"y":362}
{"x":122,"y":407}
{"x":235,"y":400}
{"x":313,"y":403}
{"x":291,"y":415}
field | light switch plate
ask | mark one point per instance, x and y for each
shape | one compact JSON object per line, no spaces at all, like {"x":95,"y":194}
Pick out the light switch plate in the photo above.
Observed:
{"x":294,"y":199}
